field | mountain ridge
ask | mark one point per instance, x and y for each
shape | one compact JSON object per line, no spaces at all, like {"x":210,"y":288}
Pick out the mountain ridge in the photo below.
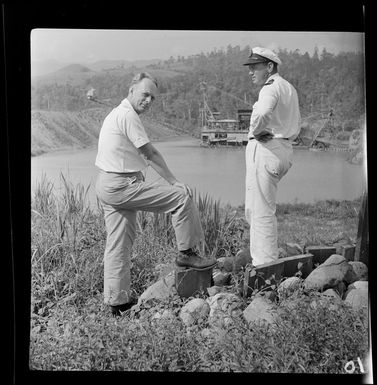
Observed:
{"x":74,"y":67}
{"x":47,"y":67}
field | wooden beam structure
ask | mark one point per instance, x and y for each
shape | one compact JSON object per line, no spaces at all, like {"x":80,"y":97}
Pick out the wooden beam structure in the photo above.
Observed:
{"x":362,"y":241}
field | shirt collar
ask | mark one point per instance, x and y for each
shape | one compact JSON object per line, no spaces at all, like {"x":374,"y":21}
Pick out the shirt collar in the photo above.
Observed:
{"x":273,"y":76}
{"x":126,"y":103}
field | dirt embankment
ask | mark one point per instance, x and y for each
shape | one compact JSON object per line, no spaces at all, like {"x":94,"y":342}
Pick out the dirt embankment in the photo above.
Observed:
{"x":60,"y":130}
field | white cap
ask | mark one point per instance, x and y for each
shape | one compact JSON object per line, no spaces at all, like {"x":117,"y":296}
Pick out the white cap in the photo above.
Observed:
{"x":261,"y":54}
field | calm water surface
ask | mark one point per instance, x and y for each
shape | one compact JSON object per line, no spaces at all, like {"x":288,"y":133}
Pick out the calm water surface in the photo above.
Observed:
{"x":219,"y":172}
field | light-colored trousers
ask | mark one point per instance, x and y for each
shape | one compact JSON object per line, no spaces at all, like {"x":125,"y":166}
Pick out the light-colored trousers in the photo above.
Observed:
{"x":266,"y":164}
{"x":121,"y":196}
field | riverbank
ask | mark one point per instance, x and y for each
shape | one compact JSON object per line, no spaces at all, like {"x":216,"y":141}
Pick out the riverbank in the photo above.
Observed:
{"x":54,"y":131}
{"x":93,"y":147}
{"x":72,"y":330}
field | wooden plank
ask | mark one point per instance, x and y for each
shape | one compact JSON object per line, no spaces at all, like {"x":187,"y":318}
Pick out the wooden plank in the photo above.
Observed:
{"x":348,"y":252}
{"x":255,"y":277}
{"x":320,"y":253}
{"x":189,"y":281}
{"x":291,"y":265}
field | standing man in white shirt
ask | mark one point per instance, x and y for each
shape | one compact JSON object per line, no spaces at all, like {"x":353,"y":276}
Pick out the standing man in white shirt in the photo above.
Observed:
{"x":124,"y":151}
{"x":274,"y":123}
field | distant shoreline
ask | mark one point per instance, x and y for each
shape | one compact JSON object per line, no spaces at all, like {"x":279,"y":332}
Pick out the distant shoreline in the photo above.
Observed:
{"x":69,"y":150}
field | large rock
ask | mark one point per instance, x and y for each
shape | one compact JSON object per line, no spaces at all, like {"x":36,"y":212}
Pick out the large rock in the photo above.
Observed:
{"x":288,"y":286}
{"x":224,"y":307}
{"x":163,"y":269}
{"x":270,"y":295}
{"x":293,"y":249}
{"x":330,"y":273}
{"x":357,"y":298}
{"x":220,"y":278}
{"x":357,"y":285}
{"x":161,"y":289}
{"x":331,"y":293}
{"x":213,"y":290}
{"x":260,"y":310}
{"x":195,"y":310}
{"x":241,"y":259}
{"x":360,"y":269}
{"x":362,"y":285}
{"x":225,"y":264}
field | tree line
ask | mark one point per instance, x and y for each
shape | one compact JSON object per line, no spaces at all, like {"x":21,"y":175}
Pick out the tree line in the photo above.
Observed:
{"x":324,"y":82}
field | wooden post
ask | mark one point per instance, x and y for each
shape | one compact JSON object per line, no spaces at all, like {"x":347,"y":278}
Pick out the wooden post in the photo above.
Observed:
{"x":362,"y":242}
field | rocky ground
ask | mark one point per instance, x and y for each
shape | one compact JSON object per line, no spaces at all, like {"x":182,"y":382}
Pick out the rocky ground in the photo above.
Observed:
{"x":344,"y":280}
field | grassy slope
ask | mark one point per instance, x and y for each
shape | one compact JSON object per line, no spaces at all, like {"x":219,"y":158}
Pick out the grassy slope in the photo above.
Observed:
{"x":54,"y":130}
{"x":57,"y":130}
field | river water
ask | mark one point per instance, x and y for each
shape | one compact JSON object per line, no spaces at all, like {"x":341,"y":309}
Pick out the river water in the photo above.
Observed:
{"x":219,"y":172}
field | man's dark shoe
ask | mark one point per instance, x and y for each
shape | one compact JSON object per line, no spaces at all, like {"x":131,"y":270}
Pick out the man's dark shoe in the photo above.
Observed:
{"x":190,"y":259}
{"x":117,"y":310}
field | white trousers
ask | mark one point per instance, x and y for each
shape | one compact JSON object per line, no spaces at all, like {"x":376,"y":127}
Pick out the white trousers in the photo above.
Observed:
{"x":266,"y":164}
{"x":121,"y":196}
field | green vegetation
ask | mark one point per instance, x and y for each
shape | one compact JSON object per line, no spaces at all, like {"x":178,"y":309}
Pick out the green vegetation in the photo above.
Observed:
{"x":71,"y":328}
{"x":323,"y":81}
{"x":63,"y":117}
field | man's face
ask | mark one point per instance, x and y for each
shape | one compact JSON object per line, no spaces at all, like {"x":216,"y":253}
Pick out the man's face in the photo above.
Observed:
{"x":259,"y":73}
{"x":142,"y":95}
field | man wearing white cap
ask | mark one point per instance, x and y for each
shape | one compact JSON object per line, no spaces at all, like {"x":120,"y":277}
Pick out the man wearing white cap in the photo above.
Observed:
{"x":274,"y":123}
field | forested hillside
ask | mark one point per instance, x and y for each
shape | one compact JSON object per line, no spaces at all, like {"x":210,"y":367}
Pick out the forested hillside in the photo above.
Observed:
{"x":324,"y":81}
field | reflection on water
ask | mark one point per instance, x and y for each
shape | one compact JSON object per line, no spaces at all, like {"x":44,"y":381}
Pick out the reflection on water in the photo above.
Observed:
{"x":220,"y":172}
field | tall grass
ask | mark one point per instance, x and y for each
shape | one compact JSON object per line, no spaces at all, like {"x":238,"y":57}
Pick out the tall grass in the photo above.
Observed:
{"x":67,"y":244}
{"x":68,"y":240}
{"x":223,"y":229}
{"x":70,"y":327}
{"x":68,"y":237}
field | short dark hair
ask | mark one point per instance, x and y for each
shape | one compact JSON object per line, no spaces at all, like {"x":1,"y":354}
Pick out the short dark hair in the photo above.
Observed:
{"x":142,"y":75}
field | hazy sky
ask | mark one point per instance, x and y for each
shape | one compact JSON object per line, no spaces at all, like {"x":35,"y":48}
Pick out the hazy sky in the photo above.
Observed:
{"x":80,"y":45}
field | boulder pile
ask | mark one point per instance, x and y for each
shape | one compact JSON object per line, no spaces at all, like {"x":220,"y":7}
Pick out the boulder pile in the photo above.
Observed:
{"x":225,"y":301}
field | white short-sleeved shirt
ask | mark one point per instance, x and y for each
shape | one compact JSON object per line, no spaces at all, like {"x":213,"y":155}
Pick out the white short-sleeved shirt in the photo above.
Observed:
{"x":122,"y":133}
{"x":277,"y":109}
